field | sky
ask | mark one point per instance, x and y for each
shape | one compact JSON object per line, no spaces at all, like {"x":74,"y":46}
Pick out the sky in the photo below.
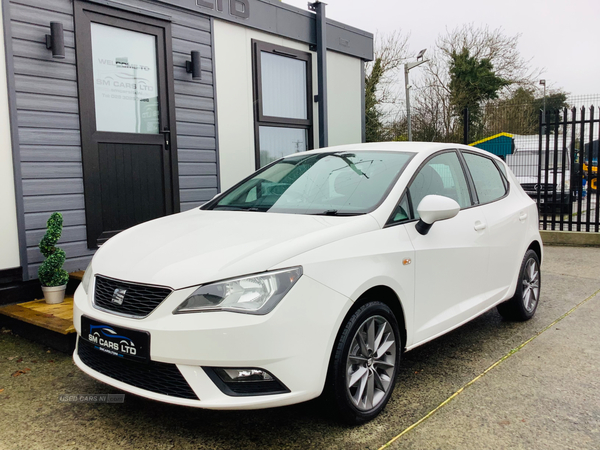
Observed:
{"x":562,"y":37}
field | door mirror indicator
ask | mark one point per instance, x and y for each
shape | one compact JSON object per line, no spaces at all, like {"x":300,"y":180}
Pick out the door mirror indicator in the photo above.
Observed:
{"x":434,"y":208}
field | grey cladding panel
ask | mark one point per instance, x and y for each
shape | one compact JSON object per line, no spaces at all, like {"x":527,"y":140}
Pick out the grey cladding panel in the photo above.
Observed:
{"x":73,"y":249}
{"x":50,"y":187}
{"x":197,"y":142}
{"x":194,"y":129}
{"x":51,"y":103}
{"x":188,"y":87}
{"x":186,"y":101}
{"x":48,"y":86}
{"x":44,"y":153}
{"x":50,"y":170}
{"x":64,"y":6}
{"x":32,"y":15}
{"x":185,"y":47}
{"x":192,"y":116}
{"x":69,"y":234}
{"x":191,"y":182}
{"x":197,"y":195}
{"x":43,"y":69}
{"x":181,"y":75}
{"x":197,"y":156}
{"x":35,"y":33}
{"x":190,"y":34}
{"x":48,"y":118}
{"x":190,"y":20}
{"x":49,"y":203}
{"x":36,"y":119}
{"x":46,"y":136}
{"x":197,"y":169}
{"x":38,"y":50}
{"x":34,"y":221}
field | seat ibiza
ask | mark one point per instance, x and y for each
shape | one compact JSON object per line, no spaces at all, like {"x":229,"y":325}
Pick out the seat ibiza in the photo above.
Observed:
{"x":311,"y":276}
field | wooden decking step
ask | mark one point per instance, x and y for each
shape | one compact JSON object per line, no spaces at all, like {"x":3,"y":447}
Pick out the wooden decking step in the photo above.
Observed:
{"x":77,"y":275}
{"x":58,"y":318}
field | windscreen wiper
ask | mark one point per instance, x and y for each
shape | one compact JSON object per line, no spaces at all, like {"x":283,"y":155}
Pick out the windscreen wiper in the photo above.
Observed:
{"x":335,"y":212}
{"x":351,"y":164}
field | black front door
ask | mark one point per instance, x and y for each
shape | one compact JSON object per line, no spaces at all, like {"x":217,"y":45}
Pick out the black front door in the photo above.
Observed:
{"x":127,"y":119}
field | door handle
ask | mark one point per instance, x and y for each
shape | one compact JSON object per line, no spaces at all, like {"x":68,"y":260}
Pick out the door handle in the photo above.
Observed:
{"x":479,"y":226}
{"x":167,"y":135}
{"x":523,"y":216}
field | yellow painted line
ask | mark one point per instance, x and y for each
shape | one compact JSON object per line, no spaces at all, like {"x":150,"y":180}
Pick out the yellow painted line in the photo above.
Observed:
{"x":490,"y":138}
{"x":504,"y":358}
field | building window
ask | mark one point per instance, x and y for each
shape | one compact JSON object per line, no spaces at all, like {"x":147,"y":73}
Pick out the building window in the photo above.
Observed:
{"x":283,"y":102}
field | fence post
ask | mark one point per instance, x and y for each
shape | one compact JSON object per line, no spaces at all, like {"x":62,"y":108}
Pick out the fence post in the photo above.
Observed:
{"x":539,"y":182}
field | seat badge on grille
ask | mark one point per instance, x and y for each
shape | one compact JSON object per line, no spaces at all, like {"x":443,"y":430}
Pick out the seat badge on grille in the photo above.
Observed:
{"x":118,"y":296}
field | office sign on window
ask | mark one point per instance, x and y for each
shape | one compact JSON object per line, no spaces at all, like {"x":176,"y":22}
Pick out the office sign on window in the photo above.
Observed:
{"x":125,"y":74}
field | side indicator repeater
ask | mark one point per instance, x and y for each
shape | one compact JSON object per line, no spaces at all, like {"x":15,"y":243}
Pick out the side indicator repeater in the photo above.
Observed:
{"x":407,"y":261}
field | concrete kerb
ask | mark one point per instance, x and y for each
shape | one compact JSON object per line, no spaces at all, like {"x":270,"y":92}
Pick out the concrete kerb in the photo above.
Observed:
{"x":570,"y":238}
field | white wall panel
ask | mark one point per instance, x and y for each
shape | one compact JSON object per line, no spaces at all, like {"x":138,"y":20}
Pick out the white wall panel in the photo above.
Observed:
{"x":9,"y":239}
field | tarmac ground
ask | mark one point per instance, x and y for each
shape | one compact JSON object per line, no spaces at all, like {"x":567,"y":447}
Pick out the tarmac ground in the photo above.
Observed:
{"x":491,"y":384}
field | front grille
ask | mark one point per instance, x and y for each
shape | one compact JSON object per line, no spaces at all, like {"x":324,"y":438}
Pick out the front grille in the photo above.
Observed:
{"x":138,"y":301}
{"x":154,"y":376}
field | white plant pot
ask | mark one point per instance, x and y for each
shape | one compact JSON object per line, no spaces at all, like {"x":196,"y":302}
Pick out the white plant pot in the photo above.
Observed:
{"x":54,"y":294}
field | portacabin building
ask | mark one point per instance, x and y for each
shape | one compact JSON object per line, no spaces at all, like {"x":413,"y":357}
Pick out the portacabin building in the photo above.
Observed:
{"x":117,"y":112}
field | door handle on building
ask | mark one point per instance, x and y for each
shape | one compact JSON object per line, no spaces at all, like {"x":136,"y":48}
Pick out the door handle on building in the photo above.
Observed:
{"x":167,"y":135}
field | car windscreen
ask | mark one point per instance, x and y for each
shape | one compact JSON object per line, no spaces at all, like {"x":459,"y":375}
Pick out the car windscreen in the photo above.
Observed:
{"x":342,"y":183}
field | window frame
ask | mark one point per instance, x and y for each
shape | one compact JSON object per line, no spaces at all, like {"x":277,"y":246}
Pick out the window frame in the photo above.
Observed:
{"x":279,"y":122}
{"x":406,"y":193}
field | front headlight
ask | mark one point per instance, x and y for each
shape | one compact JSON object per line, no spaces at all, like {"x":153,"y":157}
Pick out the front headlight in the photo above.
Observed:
{"x":254,"y":294}
{"x":87,"y":277}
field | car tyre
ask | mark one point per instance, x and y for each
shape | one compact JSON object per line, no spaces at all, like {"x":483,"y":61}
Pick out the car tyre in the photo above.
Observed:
{"x":364,"y":363}
{"x":523,"y":304}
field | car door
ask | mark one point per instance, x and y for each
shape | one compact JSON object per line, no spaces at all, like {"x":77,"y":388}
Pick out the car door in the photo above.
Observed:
{"x":451,"y":261}
{"x":506,"y":219}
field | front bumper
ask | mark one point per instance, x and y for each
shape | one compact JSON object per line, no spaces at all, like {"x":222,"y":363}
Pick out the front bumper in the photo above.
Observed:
{"x":293,"y":342}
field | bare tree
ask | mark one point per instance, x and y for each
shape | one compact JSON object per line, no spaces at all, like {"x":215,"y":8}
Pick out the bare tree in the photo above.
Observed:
{"x":433,"y":115}
{"x":382,"y":82}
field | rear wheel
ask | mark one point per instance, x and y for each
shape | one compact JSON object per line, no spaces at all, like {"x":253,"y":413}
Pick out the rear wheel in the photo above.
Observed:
{"x":523,"y":304}
{"x":365,"y":363}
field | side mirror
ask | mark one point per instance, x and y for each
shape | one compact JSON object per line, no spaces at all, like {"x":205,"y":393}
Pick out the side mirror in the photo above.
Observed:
{"x":434,"y":208}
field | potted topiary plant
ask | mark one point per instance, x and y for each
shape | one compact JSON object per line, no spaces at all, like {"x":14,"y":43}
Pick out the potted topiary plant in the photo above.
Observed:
{"x":51,"y":274}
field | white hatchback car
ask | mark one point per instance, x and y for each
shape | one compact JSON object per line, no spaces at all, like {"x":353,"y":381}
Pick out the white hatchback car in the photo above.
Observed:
{"x":313,"y":274}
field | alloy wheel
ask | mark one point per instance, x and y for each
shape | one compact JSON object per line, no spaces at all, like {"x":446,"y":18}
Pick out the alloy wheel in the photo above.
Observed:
{"x":370,"y":363}
{"x":531,"y":285}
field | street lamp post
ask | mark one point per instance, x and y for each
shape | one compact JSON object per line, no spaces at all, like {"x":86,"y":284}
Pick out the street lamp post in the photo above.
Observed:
{"x":407,"y":68}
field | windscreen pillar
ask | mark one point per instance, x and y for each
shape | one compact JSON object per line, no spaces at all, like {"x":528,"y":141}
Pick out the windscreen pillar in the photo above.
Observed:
{"x":321,"y":47}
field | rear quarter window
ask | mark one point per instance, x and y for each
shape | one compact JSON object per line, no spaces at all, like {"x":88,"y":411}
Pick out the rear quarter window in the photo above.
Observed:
{"x":488,"y":180}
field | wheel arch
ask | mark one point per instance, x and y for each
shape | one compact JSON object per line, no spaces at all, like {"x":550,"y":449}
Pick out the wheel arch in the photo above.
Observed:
{"x":537,"y":248}
{"x":385,"y":295}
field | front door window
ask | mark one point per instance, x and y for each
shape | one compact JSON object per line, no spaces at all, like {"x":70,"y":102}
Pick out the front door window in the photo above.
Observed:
{"x":125,"y":73}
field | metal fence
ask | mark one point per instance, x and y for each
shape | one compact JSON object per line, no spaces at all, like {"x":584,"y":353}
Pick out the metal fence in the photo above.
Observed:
{"x":554,"y":156}
{"x":567,"y":180}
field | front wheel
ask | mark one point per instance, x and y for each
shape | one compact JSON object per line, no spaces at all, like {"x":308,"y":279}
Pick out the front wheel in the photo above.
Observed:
{"x":365,"y":363}
{"x":523,"y":304}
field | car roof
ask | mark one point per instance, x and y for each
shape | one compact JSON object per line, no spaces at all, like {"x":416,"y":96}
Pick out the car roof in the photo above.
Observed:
{"x":411,"y":147}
